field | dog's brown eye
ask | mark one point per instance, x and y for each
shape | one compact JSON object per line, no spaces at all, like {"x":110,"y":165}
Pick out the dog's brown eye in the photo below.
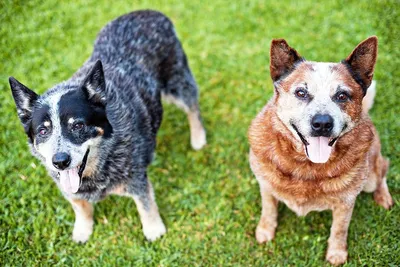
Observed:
{"x":43,"y":131}
{"x":301,"y":93}
{"x":342,"y":97}
{"x":77,"y":126}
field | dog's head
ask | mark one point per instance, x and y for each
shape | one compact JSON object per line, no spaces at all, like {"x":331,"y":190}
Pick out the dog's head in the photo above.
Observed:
{"x":319,"y":102}
{"x":65,"y":123}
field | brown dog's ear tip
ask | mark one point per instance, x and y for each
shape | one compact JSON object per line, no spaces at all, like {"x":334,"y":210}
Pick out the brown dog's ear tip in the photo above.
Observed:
{"x":279,"y":41}
{"x":372,"y":39}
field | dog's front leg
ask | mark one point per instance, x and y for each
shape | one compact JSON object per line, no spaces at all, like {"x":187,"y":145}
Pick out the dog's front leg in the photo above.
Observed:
{"x":142,"y":193}
{"x":83,"y":226}
{"x":269,"y":215}
{"x":337,"y":243}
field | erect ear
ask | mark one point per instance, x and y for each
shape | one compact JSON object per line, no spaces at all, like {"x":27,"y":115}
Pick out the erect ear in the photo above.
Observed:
{"x":94,"y":84}
{"x":283,"y":58}
{"x":361,"y":62}
{"x":24,"y":99}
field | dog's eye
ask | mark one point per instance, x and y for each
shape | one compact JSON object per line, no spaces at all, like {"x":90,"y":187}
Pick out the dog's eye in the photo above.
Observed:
{"x":301,"y":93}
{"x":77,"y":126}
{"x":342,"y":97}
{"x":43,"y":131}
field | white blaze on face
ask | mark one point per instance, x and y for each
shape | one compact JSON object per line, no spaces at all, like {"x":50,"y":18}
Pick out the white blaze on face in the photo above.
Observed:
{"x":321,"y":83}
{"x":48,"y":148}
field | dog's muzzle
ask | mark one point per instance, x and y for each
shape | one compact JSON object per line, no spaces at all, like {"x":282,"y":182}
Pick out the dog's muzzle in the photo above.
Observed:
{"x":317,"y":148}
{"x":71,"y":179}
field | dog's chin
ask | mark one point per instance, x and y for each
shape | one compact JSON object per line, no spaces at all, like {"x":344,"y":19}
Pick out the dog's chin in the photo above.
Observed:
{"x":317,"y":149}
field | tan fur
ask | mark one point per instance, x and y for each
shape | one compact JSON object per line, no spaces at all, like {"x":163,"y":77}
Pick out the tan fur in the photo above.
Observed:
{"x":153,"y":226}
{"x":285,"y":174}
{"x":197,"y":132}
{"x":83,"y":226}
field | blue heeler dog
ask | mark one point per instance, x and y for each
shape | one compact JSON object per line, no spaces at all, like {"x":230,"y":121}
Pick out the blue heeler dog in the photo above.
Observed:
{"x":96,"y":132}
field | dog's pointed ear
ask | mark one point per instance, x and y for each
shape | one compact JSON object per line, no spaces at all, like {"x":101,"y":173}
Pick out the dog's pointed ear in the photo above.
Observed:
{"x":94,"y":84}
{"x":362,"y":61}
{"x":283,"y":58}
{"x":24,"y":99}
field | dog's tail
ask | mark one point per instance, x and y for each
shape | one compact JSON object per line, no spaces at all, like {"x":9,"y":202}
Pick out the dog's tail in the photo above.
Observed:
{"x":368,"y":100}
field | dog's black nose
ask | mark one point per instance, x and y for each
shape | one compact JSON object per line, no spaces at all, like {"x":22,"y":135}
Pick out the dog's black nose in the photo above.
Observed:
{"x":322,"y":125}
{"x":61,"y":160}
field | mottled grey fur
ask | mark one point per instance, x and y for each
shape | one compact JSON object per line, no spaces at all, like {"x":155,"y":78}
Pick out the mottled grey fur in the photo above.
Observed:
{"x":142,"y":59}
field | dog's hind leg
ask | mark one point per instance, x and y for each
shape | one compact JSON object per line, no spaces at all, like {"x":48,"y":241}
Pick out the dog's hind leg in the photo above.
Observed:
{"x":83,"y":226}
{"x":376,"y":180}
{"x":381,"y":194}
{"x":142,"y":193}
{"x":181,"y":89}
{"x":197,"y":131}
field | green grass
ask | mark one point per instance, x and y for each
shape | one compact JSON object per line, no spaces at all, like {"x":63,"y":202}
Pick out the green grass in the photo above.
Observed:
{"x":209,"y":199}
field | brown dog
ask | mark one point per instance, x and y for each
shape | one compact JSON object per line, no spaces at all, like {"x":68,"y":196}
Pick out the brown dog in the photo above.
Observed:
{"x":313,"y":145}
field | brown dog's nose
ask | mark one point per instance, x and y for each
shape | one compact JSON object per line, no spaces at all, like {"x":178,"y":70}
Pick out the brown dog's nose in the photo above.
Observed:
{"x":322,"y":125}
{"x":61,"y":160}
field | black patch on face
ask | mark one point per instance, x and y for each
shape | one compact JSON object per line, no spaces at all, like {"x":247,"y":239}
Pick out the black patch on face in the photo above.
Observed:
{"x":75,"y":105}
{"x":39,"y":116}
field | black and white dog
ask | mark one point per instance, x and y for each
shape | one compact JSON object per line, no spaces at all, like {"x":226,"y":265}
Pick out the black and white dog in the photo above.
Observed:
{"x":96,"y":132}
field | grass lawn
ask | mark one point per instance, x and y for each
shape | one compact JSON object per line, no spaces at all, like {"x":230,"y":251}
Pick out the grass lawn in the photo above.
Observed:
{"x":209,"y":200}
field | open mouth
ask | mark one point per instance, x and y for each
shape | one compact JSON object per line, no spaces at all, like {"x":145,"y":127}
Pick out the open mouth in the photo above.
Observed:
{"x":83,"y":165}
{"x":318,"y":149}
{"x":71,"y":179}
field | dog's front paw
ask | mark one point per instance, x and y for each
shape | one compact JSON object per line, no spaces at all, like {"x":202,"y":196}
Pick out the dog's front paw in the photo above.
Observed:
{"x":265,"y":234}
{"x":336,"y":256}
{"x":82,"y":231}
{"x":154,"y":230}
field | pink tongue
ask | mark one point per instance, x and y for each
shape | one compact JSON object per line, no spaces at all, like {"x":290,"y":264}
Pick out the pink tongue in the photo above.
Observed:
{"x":318,"y":149}
{"x":70,"y":180}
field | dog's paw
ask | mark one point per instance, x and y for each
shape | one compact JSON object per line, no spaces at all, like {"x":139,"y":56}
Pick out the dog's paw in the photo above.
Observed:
{"x":82,"y":231}
{"x":198,"y":139}
{"x":154,"y":231}
{"x":265,"y":234}
{"x":384,"y":199}
{"x":336,"y":256}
